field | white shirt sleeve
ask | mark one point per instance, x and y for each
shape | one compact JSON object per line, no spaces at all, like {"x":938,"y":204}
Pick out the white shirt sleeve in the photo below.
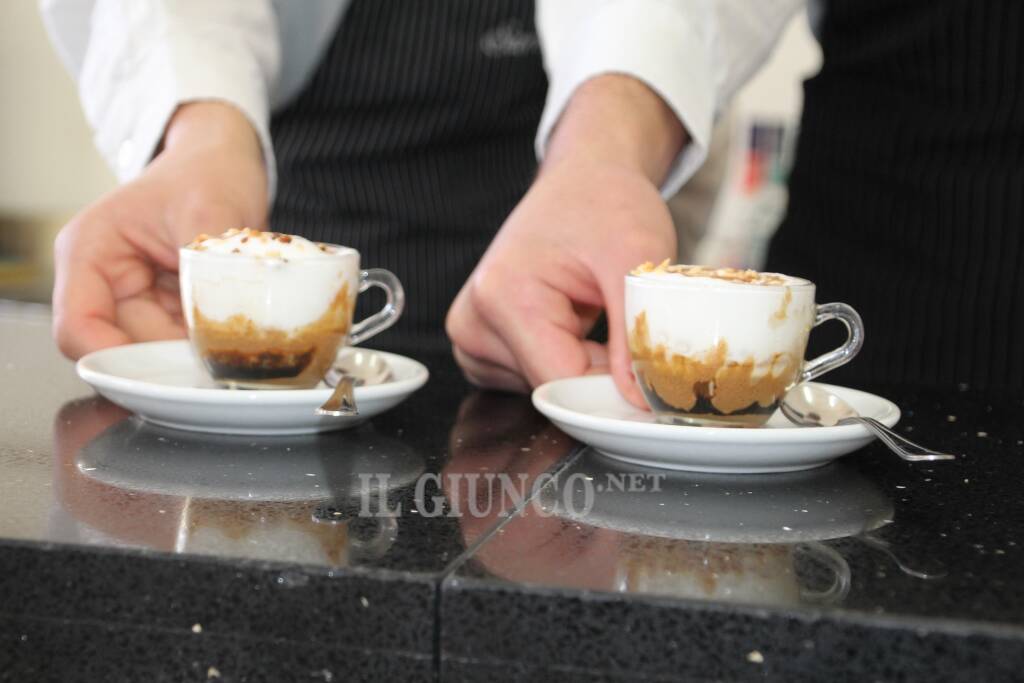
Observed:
{"x":135,"y":61}
{"x":694,"y":53}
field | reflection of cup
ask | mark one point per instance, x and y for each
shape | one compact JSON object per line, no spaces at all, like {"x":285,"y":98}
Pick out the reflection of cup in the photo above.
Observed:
{"x":261,"y":531}
{"x":722,"y":347}
{"x":753,"y":539}
{"x":369,"y":538}
{"x":128,"y":482}
{"x":307,"y":533}
{"x":753,"y":573}
{"x":266,"y":310}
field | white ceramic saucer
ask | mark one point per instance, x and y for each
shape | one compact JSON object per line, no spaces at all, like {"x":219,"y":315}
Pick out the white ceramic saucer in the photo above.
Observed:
{"x":163,"y":383}
{"x":591,"y":410}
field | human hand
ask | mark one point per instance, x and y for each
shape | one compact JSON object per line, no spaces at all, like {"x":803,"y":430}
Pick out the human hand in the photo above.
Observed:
{"x":522,"y":317}
{"x":116,"y":261}
{"x":592,"y":215}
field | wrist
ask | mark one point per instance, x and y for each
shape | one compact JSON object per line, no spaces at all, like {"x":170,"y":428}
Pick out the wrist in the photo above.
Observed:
{"x":210,"y":124}
{"x":210,"y":172}
{"x":617,"y":120}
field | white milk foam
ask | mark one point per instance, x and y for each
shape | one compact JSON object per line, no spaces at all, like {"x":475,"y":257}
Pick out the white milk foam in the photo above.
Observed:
{"x":691,"y":315}
{"x":277,"y":283}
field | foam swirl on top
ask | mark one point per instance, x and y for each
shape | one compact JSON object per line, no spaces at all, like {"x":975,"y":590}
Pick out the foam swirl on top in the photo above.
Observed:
{"x":734,"y":275}
{"x":257,"y":244}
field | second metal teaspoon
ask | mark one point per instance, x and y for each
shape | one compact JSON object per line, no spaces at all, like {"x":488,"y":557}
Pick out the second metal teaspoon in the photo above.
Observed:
{"x":812,"y":406}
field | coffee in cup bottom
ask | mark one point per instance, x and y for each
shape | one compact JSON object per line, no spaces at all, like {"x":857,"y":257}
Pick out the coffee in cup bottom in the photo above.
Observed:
{"x":707,"y":389}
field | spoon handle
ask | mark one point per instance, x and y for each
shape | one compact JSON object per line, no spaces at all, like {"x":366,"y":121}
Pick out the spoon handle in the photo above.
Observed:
{"x":901,"y":446}
{"x":930,"y":569}
{"x":342,"y":402}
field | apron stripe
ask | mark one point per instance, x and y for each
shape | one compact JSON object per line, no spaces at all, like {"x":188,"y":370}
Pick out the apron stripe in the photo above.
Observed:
{"x":412,"y":145}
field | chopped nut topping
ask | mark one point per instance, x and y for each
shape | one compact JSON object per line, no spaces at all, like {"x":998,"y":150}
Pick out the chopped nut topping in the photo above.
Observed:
{"x":751,"y":277}
{"x":231,"y":241}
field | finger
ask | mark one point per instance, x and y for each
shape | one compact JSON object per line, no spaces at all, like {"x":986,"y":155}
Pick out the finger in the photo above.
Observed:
{"x":144,"y":319}
{"x":488,"y":375}
{"x":619,"y":361}
{"x":167,"y":281}
{"x":598,"y":354}
{"x":476,"y":338}
{"x":588,"y":316}
{"x":539,"y":325}
{"x":170,"y":302}
{"x":168,"y":292}
{"x":83,"y":309}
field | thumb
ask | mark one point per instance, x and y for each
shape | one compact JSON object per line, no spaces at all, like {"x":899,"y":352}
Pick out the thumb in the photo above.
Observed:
{"x":613,"y":289}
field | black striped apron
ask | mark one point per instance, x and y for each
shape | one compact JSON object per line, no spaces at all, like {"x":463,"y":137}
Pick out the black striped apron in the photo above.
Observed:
{"x":907,"y":195}
{"x":412,"y":143}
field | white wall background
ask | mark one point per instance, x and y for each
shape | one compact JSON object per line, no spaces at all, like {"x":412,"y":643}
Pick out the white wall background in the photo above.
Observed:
{"x":777,"y":90}
{"x":48,"y":165}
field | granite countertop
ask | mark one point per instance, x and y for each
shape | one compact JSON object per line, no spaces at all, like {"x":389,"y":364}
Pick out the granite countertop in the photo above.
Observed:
{"x":129,"y":551}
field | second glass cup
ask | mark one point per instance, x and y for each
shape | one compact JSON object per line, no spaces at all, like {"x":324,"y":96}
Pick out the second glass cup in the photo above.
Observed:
{"x":722,"y":350}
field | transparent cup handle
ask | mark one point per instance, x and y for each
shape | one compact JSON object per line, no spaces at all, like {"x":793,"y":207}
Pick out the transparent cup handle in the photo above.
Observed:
{"x":839,"y":568}
{"x":378,"y":545}
{"x":845,"y":353}
{"x":393,"y":305}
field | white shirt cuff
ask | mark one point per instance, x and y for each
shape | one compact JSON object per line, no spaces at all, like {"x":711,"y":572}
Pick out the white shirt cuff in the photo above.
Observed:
{"x":132,"y":103}
{"x":653,"y":42}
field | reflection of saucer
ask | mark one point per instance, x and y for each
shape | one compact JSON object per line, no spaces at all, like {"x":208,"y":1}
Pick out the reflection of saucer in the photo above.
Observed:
{"x":829,"y":502}
{"x":163,"y":383}
{"x":136,"y":456}
{"x":591,"y":410}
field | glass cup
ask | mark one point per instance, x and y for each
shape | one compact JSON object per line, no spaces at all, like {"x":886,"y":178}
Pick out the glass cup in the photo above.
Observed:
{"x":272,"y":323}
{"x":720,"y":352}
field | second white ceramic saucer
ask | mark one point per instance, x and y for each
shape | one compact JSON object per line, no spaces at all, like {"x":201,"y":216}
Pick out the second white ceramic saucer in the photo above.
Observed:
{"x":590,"y":409}
{"x":162,"y":382}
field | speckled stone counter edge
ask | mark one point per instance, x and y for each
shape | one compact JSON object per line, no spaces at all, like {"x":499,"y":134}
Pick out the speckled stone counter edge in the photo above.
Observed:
{"x":238,"y":598}
{"x":496,"y":633}
{"x":65,"y":650}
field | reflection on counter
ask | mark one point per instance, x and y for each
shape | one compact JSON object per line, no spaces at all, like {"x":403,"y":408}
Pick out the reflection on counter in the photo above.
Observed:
{"x":755,"y":539}
{"x":360,"y":497}
{"x":121,"y":481}
{"x":501,"y":449}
